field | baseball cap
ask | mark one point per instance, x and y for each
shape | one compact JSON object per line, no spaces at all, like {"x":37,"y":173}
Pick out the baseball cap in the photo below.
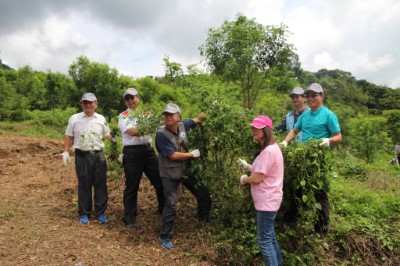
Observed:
{"x":297,"y":91}
{"x":130,"y":91}
{"x":315,"y":87}
{"x":171,"y":108}
{"x":88,"y":96}
{"x":261,"y":121}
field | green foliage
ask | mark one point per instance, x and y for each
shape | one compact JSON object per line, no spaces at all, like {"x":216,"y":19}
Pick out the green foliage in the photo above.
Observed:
{"x":393,"y":124}
{"x":245,"y":52}
{"x":308,"y":169}
{"x":349,"y":166}
{"x":367,"y":137}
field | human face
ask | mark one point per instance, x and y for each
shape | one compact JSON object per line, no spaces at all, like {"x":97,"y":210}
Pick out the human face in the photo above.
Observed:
{"x":258,"y":134}
{"x":314,"y":100}
{"x":171,"y":121}
{"x":297,"y":100}
{"x":89,"y":107}
{"x":131,"y":101}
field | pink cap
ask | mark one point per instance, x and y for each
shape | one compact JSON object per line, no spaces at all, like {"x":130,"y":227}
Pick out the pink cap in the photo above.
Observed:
{"x":261,"y":121}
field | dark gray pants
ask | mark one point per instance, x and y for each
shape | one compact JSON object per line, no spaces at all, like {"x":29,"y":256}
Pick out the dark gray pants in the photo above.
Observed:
{"x":171,"y":199}
{"x":139,"y":159}
{"x":91,"y":169}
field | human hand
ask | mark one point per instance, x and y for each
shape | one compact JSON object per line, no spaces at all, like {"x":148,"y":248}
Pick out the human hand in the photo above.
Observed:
{"x":244,"y":164}
{"x":284,"y":143}
{"x":114,"y":139}
{"x":195,"y":153}
{"x":242,"y":179}
{"x":66,"y":158}
{"x":325,"y":142}
{"x":121,"y":158}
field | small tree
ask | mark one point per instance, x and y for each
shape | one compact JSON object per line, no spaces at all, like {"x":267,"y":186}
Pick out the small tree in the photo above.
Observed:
{"x":244,"y":51}
{"x":368,"y":136}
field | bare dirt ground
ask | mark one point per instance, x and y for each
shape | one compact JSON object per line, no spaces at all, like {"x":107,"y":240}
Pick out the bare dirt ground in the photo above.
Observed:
{"x":39,"y":223}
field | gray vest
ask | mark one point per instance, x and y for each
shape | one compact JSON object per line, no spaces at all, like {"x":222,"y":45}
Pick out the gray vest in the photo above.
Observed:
{"x":174,"y":169}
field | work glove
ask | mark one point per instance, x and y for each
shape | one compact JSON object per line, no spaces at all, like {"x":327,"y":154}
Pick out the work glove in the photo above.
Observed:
{"x":196,"y":153}
{"x":66,"y":158}
{"x":121,"y":158}
{"x":241,"y":179}
{"x":283,"y":143}
{"x":244,"y":164}
{"x":114,"y":139}
{"x":324,"y":142}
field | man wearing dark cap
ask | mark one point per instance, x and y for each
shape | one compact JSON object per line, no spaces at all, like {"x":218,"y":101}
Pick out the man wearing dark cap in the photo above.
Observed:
{"x":317,"y":123}
{"x":138,"y":157}
{"x":288,"y":122}
{"x":172,"y":144}
{"x":85,"y":133}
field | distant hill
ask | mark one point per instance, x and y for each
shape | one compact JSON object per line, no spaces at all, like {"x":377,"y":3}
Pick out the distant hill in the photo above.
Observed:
{"x":3,"y":66}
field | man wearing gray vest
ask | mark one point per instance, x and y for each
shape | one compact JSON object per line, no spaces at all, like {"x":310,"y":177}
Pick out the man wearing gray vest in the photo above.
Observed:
{"x":172,"y":144}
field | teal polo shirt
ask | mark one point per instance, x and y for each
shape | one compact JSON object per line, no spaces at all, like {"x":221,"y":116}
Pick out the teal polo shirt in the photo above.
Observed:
{"x":322,"y":123}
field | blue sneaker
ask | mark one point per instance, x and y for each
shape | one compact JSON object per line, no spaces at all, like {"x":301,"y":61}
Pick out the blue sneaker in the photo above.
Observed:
{"x":166,"y":243}
{"x":102,"y":218}
{"x":84,"y":219}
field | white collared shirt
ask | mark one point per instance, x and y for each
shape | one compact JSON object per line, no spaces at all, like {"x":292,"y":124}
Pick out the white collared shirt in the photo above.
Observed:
{"x":88,"y":132}
{"x":126,"y":121}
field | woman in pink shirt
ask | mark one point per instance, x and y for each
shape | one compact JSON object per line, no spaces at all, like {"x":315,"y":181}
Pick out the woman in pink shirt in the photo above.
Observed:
{"x":266,"y":182}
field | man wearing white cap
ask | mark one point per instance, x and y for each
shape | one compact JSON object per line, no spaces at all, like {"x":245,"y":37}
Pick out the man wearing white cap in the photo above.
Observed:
{"x":288,"y":122}
{"x":172,"y":144}
{"x":138,"y":157}
{"x":317,"y":123}
{"x":85,"y":133}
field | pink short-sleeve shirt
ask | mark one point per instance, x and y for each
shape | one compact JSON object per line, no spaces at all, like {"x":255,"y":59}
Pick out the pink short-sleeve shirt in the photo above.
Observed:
{"x":267,"y":195}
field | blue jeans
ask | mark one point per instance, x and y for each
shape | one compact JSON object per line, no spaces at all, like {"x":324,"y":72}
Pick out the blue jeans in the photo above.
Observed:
{"x":266,"y":238}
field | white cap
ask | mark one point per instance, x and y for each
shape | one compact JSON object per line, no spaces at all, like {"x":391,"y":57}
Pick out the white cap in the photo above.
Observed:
{"x":171,"y":108}
{"x":88,"y":96}
{"x":130,"y":91}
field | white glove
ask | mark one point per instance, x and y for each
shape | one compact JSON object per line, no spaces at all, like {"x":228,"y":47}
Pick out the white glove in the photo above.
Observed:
{"x":196,"y":153}
{"x":241,"y":179}
{"x":283,"y":143}
{"x":114,"y":139}
{"x":325,"y":142}
{"x":121,"y":158}
{"x":66,"y":158}
{"x":244,"y":164}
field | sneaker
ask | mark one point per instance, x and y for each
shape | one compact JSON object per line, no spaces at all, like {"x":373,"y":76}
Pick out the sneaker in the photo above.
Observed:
{"x":102,"y":218}
{"x":84,"y":219}
{"x":166,"y":243}
{"x":130,"y":226}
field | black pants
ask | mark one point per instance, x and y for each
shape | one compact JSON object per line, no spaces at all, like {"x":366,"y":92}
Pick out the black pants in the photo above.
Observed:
{"x":169,"y":213}
{"x":323,"y":215}
{"x":91,"y":169}
{"x":139,"y":159}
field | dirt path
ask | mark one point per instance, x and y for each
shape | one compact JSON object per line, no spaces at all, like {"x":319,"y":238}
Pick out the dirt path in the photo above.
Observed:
{"x":39,"y":223}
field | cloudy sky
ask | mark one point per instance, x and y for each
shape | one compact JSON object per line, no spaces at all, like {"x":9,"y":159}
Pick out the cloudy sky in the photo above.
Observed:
{"x":133,"y":36}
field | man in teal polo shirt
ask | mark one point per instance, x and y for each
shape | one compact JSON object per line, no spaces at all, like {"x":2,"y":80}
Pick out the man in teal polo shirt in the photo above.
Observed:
{"x":317,"y":123}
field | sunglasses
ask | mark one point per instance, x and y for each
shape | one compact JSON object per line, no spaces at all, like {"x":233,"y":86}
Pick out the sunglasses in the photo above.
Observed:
{"x":313,"y":95}
{"x":129,"y":97}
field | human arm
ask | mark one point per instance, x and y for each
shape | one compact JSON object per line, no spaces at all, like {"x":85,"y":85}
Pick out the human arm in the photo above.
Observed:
{"x":255,"y":178}
{"x":67,"y":145}
{"x":334,"y":139}
{"x":179,"y":156}
{"x":199,"y":117}
{"x":282,"y":125}
{"x":291,"y":135}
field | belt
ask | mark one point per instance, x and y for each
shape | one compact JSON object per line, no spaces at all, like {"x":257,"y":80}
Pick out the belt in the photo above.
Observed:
{"x":137,"y":146}
{"x":81,"y":152}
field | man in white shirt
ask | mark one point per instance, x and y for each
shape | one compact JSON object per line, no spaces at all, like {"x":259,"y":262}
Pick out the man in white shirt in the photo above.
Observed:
{"x":138,"y":157}
{"x":85,"y":133}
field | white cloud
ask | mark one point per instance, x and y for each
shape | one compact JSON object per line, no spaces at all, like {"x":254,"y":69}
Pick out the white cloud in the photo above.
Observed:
{"x":358,"y":36}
